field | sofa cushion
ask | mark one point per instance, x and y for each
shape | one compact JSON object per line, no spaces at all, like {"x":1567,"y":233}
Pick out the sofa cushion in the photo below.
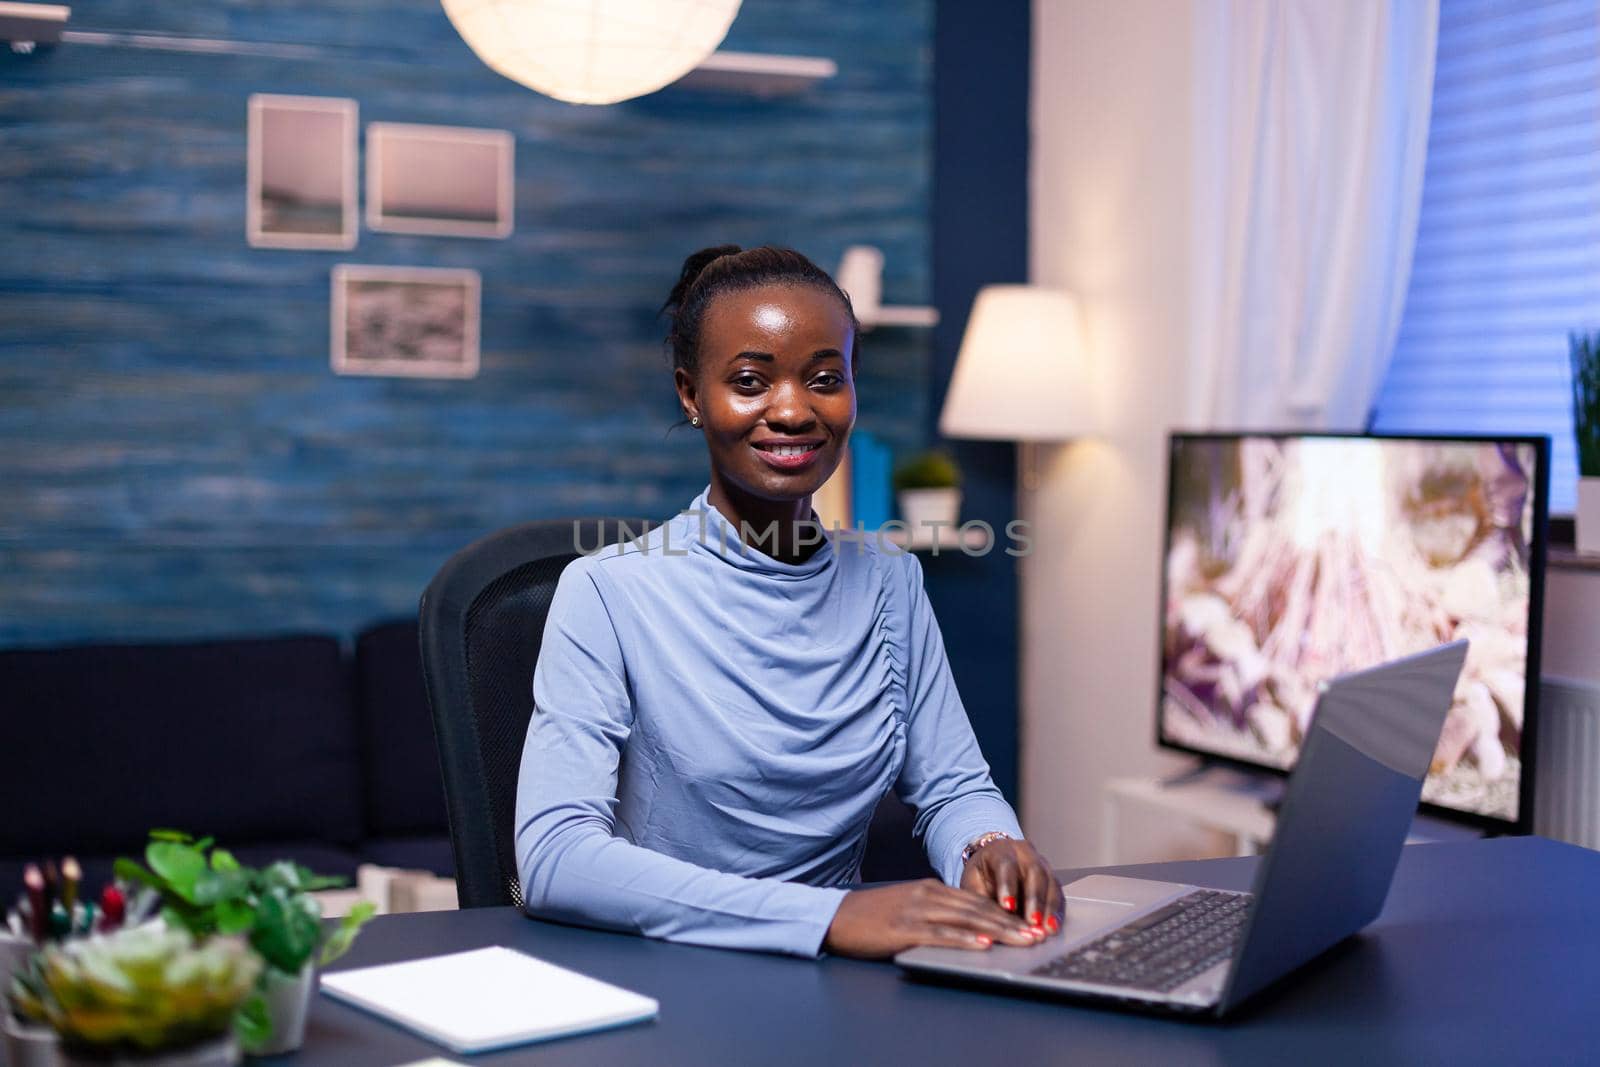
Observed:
{"x":403,"y":791}
{"x":431,"y":854}
{"x":247,"y":740}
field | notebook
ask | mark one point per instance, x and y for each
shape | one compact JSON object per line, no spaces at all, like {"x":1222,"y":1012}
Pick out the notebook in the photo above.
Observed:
{"x":488,"y":998}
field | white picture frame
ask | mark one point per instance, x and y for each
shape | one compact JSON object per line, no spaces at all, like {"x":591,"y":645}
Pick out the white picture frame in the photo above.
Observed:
{"x":406,"y":322}
{"x":442,"y":181}
{"x":301,"y":181}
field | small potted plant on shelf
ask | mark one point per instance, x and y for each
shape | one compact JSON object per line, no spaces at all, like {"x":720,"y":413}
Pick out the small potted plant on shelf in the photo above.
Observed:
{"x":1585,"y":351}
{"x":144,"y":995}
{"x":206,"y":891}
{"x":928,"y":488}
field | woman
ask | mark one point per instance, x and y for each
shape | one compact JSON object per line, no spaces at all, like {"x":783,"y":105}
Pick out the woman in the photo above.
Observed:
{"x":719,"y":709}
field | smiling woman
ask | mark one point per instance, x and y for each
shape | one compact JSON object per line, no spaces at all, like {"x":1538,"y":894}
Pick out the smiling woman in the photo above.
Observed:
{"x":719,"y":710}
{"x":763,"y":350}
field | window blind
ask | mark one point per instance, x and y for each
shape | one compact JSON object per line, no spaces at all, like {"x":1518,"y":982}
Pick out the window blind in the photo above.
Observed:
{"x":1507,"y":258}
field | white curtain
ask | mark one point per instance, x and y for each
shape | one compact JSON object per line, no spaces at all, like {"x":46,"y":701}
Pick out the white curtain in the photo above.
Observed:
{"x":1310,"y":128}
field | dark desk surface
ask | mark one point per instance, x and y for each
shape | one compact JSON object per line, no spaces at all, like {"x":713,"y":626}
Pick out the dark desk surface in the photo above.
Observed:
{"x":1487,"y":952}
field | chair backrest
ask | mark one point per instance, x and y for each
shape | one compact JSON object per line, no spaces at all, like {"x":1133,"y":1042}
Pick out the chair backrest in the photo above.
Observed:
{"x":482,"y":619}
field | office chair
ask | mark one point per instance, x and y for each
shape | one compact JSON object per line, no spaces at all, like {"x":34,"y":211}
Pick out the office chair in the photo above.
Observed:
{"x":481,"y":622}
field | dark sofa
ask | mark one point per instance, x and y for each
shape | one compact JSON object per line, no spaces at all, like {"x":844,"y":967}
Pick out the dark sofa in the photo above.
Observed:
{"x":280,"y":747}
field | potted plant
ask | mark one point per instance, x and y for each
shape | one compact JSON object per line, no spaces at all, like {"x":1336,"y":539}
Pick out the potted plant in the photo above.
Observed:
{"x":928,"y":488}
{"x":1585,"y":351}
{"x":147,"y":995}
{"x":205,"y":891}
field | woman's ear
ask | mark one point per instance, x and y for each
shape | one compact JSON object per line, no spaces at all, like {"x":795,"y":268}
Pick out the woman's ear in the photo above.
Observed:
{"x":683,"y":381}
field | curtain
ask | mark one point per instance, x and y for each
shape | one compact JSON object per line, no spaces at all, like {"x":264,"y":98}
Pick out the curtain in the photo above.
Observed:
{"x":1309,"y":126}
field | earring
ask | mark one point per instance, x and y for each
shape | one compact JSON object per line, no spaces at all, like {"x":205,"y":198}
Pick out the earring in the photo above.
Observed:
{"x":694,"y":420}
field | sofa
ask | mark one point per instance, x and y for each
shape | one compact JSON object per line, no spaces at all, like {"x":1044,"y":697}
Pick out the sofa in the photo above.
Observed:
{"x":288,"y":747}
{"x":279,"y":747}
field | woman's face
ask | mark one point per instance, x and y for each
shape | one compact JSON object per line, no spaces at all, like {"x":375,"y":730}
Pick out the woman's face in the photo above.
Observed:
{"x":774,"y":390}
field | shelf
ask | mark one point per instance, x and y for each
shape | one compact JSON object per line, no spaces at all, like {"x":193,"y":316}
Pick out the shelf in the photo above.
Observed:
{"x":1570,"y":559}
{"x":1226,"y":802}
{"x":901,"y":315}
{"x":953,"y":538}
{"x":763,"y":75}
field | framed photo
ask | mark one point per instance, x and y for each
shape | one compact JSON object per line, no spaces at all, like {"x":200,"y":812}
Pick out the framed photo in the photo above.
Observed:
{"x":301,"y":172}
{"x":409,"y":322}
{"x":448,"y":181}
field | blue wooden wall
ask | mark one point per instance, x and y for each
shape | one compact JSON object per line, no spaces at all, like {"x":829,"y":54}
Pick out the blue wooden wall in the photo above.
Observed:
{"x":176,"y":457}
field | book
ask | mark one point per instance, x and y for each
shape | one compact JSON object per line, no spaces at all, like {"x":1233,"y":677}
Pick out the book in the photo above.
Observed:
{"x":488,"y":998}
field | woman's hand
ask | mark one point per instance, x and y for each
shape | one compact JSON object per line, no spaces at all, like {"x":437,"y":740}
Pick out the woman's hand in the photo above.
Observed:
{"x":877,"y":923}
{"x":1018,"y":879}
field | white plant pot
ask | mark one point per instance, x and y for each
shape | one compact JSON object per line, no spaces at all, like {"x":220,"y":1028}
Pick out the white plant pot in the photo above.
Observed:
{"x":922,"y":508}
{"x":1587,"y":518}
{"x":288,"y":1003}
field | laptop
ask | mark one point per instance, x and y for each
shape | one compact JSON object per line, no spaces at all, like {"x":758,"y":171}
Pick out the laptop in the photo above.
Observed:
{"x":1341,"y":825}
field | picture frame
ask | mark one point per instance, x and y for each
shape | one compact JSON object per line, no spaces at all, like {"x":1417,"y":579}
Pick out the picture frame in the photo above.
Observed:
{"x":407,"y":322}
{"x":442,"y":181}
{"x":301,"y":182}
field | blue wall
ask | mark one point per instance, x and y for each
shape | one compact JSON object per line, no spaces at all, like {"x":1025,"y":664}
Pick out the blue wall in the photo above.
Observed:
{"x":176,"y":457}
{"x":980,"y":237}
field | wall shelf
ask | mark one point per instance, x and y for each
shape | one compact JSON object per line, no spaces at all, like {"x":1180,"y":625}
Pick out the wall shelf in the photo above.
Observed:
{"x":901,"y":315}
{"x":950,"y":539}
{"x":761,"y":74}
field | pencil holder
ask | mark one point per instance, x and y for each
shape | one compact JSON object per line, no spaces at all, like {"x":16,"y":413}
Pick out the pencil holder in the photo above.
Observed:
{"x":28,"y":1044}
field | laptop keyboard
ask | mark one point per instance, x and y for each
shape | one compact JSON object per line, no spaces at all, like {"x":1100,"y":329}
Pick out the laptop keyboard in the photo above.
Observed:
{"x":1162,"y":950}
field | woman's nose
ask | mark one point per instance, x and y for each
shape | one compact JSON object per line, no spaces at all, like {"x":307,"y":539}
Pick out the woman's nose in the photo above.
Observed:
{"x":789,"y":407}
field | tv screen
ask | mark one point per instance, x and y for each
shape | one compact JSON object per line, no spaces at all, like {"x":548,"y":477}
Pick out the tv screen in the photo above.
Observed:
{"x":1291,"y":559}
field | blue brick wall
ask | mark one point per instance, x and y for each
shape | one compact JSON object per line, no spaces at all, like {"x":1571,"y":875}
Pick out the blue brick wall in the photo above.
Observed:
{"x":176,"y":457}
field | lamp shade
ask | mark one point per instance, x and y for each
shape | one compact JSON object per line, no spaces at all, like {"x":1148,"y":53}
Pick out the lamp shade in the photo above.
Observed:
{"x":592,"y":51}
{"x":1020,"y":374}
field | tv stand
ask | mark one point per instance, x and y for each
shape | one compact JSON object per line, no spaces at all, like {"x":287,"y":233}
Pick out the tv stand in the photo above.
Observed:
{"x":1241,"y":807}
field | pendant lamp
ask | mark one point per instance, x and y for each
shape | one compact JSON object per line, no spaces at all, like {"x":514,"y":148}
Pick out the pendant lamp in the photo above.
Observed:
{"x":592,"y":51}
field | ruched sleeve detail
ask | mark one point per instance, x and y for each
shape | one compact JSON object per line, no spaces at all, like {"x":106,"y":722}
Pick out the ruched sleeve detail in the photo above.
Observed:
{"x":573,"y":864}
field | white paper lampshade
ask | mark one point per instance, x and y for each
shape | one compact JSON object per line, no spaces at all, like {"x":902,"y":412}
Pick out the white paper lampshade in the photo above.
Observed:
{"x":1020,"y":374}
{"x":592,"y":51}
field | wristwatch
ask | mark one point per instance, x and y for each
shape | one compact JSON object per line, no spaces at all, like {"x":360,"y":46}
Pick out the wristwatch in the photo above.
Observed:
{"x":982,"y":840}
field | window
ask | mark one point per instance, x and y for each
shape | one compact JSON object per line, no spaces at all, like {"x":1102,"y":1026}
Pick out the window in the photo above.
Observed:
{"x":1507,"y":259}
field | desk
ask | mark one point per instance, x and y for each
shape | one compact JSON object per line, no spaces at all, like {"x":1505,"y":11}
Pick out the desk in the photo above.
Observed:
{"x":1487,"y":952}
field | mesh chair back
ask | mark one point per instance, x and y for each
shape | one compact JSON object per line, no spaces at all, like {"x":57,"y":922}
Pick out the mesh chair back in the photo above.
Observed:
{"x":482,"y":619}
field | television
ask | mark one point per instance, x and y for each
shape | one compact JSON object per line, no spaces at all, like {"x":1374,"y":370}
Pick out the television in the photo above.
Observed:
{"x":1291,"y":558}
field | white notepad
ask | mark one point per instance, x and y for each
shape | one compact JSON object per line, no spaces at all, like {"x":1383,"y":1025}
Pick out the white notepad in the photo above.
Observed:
{"x":488,"y":998}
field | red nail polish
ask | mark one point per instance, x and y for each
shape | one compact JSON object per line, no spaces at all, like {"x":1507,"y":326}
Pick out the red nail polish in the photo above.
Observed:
{"x":985,"y":940}
{"x":1053,"y":923}
{"x":1035,"y":918}
{"x":1009,"y":903}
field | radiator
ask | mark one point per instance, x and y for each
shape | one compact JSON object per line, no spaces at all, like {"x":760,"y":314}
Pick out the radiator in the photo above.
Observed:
{"x":1567,"y":783}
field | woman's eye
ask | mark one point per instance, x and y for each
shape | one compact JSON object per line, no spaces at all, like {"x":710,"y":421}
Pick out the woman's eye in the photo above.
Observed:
{"x":828,"y":380}
{"x":747,"y":381}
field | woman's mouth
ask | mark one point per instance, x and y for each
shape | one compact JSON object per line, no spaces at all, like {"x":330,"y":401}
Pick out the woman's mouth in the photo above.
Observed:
{"x":788,"y":455}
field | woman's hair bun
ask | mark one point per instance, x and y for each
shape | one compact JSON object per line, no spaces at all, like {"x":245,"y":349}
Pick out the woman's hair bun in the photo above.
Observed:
{"x":692,"y":269}
{"x":728,"y":268}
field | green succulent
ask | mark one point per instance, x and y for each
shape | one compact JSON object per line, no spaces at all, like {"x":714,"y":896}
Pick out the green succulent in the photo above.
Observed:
{"x":1585,"y":352}
{"x":206,"y":891}
{"x":150,"y":987}
{"x":929,"y":470}
{"x":209,"y":894}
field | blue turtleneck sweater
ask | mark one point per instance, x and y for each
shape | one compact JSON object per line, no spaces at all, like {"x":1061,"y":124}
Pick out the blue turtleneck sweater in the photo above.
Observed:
{"x":713,"y":729}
